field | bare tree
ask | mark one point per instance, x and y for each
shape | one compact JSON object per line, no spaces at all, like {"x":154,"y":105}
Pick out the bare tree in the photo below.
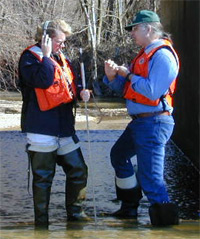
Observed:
{"x":91,"y":21}
{"x":100,"y":19}
{"x":98,"y":28}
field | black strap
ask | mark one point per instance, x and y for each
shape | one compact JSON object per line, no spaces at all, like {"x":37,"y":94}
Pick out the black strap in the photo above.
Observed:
{"x":127,"y":76}
{"x":163,"y":102}
{"x":28,"y":169}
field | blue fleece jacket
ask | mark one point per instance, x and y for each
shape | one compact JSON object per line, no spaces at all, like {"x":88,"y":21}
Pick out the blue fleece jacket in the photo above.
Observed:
{"x":58,"y":121}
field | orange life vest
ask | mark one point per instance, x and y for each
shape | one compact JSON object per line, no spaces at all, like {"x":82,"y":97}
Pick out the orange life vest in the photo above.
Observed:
{"x":62,"y":90}
{"x":140,"y":66}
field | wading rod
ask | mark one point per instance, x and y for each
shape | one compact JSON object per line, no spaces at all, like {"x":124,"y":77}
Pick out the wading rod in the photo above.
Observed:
{"x":88,"y":135}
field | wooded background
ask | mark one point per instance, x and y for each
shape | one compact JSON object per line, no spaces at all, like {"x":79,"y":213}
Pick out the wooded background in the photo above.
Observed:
{"x":98,"y":27}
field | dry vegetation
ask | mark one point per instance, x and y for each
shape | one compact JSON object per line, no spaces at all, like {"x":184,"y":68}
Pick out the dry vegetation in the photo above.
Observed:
{"x":100,"y":39}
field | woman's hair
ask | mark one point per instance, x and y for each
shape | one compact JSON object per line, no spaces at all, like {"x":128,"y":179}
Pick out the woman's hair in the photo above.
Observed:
{"x":157,"y":29}
{"x":51,"y":29}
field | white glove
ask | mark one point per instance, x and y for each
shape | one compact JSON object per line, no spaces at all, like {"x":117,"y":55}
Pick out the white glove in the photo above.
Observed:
{"x":85,"y":95}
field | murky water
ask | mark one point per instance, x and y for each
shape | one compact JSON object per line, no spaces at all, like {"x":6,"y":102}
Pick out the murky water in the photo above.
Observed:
{"x":17,"y":206}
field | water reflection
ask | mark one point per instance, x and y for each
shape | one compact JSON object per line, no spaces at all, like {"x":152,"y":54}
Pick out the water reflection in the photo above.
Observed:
{"x":183,"y":231}
{"x":17,"y":206}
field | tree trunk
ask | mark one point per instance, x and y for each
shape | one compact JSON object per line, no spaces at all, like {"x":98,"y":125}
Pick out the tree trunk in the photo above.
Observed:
{"x":62,"y":8}
{"x":100,"y":14}
{"x":119,"y":3}
{"x":91,"y":20}
{"x":110,"y":9}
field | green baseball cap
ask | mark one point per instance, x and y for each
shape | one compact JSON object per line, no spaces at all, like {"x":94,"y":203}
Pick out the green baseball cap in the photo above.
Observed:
{"x":142,"y":17}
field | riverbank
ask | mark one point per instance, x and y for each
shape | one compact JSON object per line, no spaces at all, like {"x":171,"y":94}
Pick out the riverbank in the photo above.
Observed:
{"x":103,"y":113}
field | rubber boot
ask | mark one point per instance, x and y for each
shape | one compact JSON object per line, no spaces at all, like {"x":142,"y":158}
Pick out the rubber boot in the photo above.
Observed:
{"x":127,"y":210}
{"x":164,"y":214}
{"x":76,"y":173}
{"x":130,"y":201}
{"x":43,"y":170}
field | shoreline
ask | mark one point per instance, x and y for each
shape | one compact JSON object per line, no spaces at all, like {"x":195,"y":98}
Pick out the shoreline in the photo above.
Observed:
{"x":115,"y":124}
{"x":111,"y":113}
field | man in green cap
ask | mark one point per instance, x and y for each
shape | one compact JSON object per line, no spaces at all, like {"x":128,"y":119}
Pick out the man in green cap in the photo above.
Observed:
{"x":147,"y":85}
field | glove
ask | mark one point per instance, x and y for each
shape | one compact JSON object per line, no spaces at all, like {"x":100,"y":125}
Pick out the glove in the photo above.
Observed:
{"x":85,"y":95}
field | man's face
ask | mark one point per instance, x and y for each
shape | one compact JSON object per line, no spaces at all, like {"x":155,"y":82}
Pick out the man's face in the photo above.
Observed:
{"x":139,"y":34}
{"x":58,"y":42}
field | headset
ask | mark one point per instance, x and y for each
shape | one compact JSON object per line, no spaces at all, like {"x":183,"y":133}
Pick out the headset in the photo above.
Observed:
{"x":45,"y":27}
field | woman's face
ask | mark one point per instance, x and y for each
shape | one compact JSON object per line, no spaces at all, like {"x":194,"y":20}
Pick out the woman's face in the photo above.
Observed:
{"x":58,"y":42}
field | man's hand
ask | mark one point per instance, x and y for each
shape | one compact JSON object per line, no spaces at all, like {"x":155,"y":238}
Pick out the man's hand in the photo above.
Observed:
{"x":111,"y":69}
{"x":85,"y":95}
{"x":123,"y":71}
{"x":46,"y":45}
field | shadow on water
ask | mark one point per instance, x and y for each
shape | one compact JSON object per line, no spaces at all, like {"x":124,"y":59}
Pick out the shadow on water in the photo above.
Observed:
{"x":17,"y":206}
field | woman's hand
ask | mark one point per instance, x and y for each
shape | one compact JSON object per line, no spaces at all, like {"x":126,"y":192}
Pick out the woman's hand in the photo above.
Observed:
{"x":46,"y":45}
{"x":111,"y":69}
{"x":85,"y":95}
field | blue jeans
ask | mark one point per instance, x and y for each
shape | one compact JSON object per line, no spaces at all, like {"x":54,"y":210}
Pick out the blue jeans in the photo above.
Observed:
{"x":146,"y":138}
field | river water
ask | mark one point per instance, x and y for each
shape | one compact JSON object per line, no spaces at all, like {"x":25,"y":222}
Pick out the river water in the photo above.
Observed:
{"x":17,"y":208}
{"x":16,"y":218}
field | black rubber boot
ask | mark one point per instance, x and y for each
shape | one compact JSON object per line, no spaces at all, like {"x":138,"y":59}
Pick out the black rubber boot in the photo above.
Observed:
{"x":130,"y":201}
{"x":76,"y":172}
{"x":43,"y":169}
{"x":164,"y":214}
{"x":127,"y":210}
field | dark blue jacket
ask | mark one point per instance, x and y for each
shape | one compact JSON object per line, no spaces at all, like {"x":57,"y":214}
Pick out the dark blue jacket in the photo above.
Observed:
{"x":58,"y":121}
